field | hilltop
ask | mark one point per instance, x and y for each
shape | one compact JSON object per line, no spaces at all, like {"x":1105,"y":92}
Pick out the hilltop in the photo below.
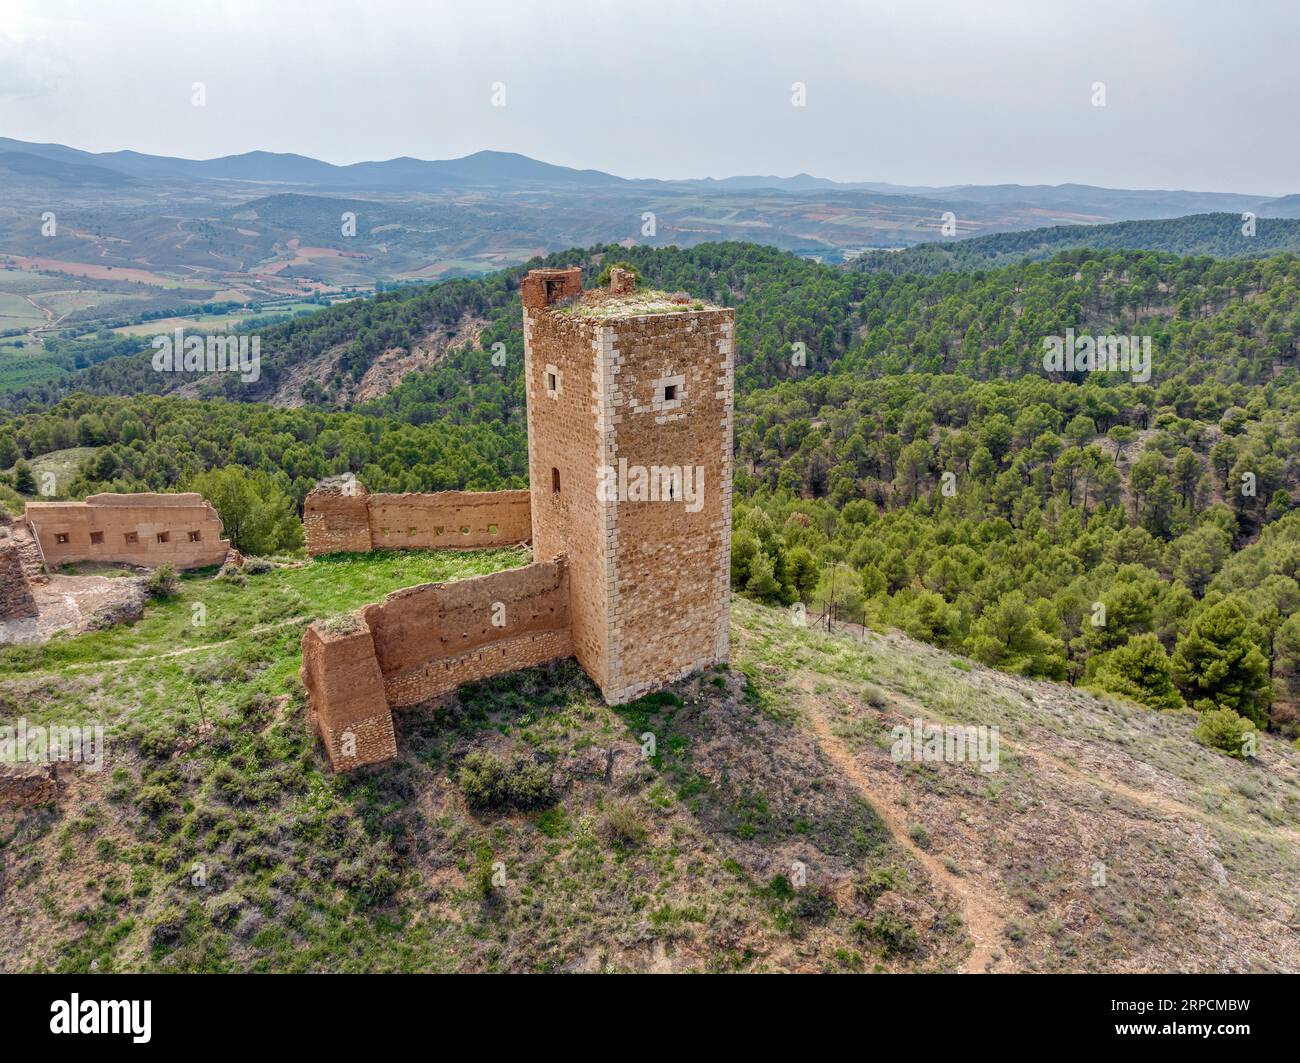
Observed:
{"x":604,"y":859}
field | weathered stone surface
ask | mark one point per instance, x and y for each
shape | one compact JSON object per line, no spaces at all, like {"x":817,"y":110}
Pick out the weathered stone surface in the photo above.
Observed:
{"x":341,"y":523}
{"x":349,"y":709}
{"x":431,"y":639}
{"x":149,"y":530}
{"x":27,"y":784}
{"x":637,"y":380}
{"x":16,"y":599}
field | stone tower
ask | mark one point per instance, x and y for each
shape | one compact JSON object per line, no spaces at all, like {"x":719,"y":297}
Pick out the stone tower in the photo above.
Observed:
{"x":629,"y":460}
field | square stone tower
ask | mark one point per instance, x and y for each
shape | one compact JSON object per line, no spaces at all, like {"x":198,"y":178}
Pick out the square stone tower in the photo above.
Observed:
{"x":629,"y":458}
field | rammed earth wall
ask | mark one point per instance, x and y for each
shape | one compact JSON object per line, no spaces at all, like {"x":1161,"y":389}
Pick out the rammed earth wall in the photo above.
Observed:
{"x":423,"y":642}
{"x":336,"y":522}
{"x":182,"y":530}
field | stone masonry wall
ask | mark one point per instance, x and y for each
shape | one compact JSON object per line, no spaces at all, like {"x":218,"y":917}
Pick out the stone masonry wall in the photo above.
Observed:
{"x":16,"y":599}
{"x":27,"y":784}
{"x":432,"y":638}
{"x":607,"y":384}
{"x":182,"y":530}
{"x":563,"y":449}
{"x":349,"y":710}
{"x":423,"y":642}
{"x":669,"y":574}
{"x":618,"y":386}
{"x":341,"y":523}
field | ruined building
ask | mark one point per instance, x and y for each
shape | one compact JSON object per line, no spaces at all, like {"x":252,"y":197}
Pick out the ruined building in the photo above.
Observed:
{"x":629,"y":454}
{"x":182,"y":530}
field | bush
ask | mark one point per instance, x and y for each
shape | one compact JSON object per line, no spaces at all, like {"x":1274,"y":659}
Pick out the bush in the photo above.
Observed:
{"x":622,"y":826}
{"x":1224,"y":730}
{"x":602,"y":280}
{"x":162,"y":582}
{"x":255,"y":566}
{"x":892,"y":934}
{"x":489,"y":783}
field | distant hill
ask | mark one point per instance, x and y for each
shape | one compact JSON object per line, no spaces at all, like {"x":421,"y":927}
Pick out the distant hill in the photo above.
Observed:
{"x":509,"y":170}
{"x":492,"y":169}
{"x":20,"y":166}
{"x":1219,"y":235}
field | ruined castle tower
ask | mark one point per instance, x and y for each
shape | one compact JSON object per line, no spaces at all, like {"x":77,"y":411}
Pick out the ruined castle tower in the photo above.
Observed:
{"x":629,"y":461}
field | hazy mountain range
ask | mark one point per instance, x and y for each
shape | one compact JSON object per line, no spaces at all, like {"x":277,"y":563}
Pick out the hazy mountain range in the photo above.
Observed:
{"x":265,"y":225}
{"x":507,"y":171}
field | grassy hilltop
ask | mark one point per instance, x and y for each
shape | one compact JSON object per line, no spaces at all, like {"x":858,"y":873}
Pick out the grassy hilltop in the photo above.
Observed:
{"x":523,"y":829}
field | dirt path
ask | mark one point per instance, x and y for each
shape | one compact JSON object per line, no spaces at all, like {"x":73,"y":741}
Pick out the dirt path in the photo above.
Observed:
{"x":979,"y":911}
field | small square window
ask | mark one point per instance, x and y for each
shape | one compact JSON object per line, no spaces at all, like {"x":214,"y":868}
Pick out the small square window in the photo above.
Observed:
{"x":61,"y":538}
{"x":554,"y":381}
{"x":492,"y":529}
{"x":96,"y":538}
{"x":196,"y":537}
{"x":464,"y":530}
{"x":132,"y":538}
{"x":438,"y":529}
{"x":164,"y":537}
{"x":670,"y":392}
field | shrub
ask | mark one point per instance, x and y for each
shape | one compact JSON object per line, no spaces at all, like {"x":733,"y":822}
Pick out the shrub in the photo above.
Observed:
{"x":1224,"y":730}
{"x":490,"y":783}
{"x":622,"y":826}
{"x":255,"y":566}
{"x":162,"y":582}
{"x":892,"y":934}
{"x":602,"y":280}
{"x":231,"y":573}
{"x":155,"y":799}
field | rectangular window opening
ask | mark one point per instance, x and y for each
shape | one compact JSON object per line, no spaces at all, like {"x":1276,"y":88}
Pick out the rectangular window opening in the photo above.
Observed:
{"x":196,"y":537}
{"x":96,"y":538}
{"x":555,"y":481}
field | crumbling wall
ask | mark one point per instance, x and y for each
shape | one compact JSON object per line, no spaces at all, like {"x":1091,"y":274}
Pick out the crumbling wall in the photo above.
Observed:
{"x":338,"y":522}
{"x":423,"y":642}
{"x":16,"y":599}
{"x":348,"y":707}
{"x":182,"y":530}
{"x":431,"y":639}
{"x":27,"y":784}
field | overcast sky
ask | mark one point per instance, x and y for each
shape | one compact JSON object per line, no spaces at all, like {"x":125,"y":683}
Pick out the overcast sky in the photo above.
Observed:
{"x":1199,"y":95}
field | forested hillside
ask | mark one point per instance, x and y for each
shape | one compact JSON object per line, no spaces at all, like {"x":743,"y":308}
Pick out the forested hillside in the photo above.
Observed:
{"x":903,"y":457}
{"x":1221,"y":235}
